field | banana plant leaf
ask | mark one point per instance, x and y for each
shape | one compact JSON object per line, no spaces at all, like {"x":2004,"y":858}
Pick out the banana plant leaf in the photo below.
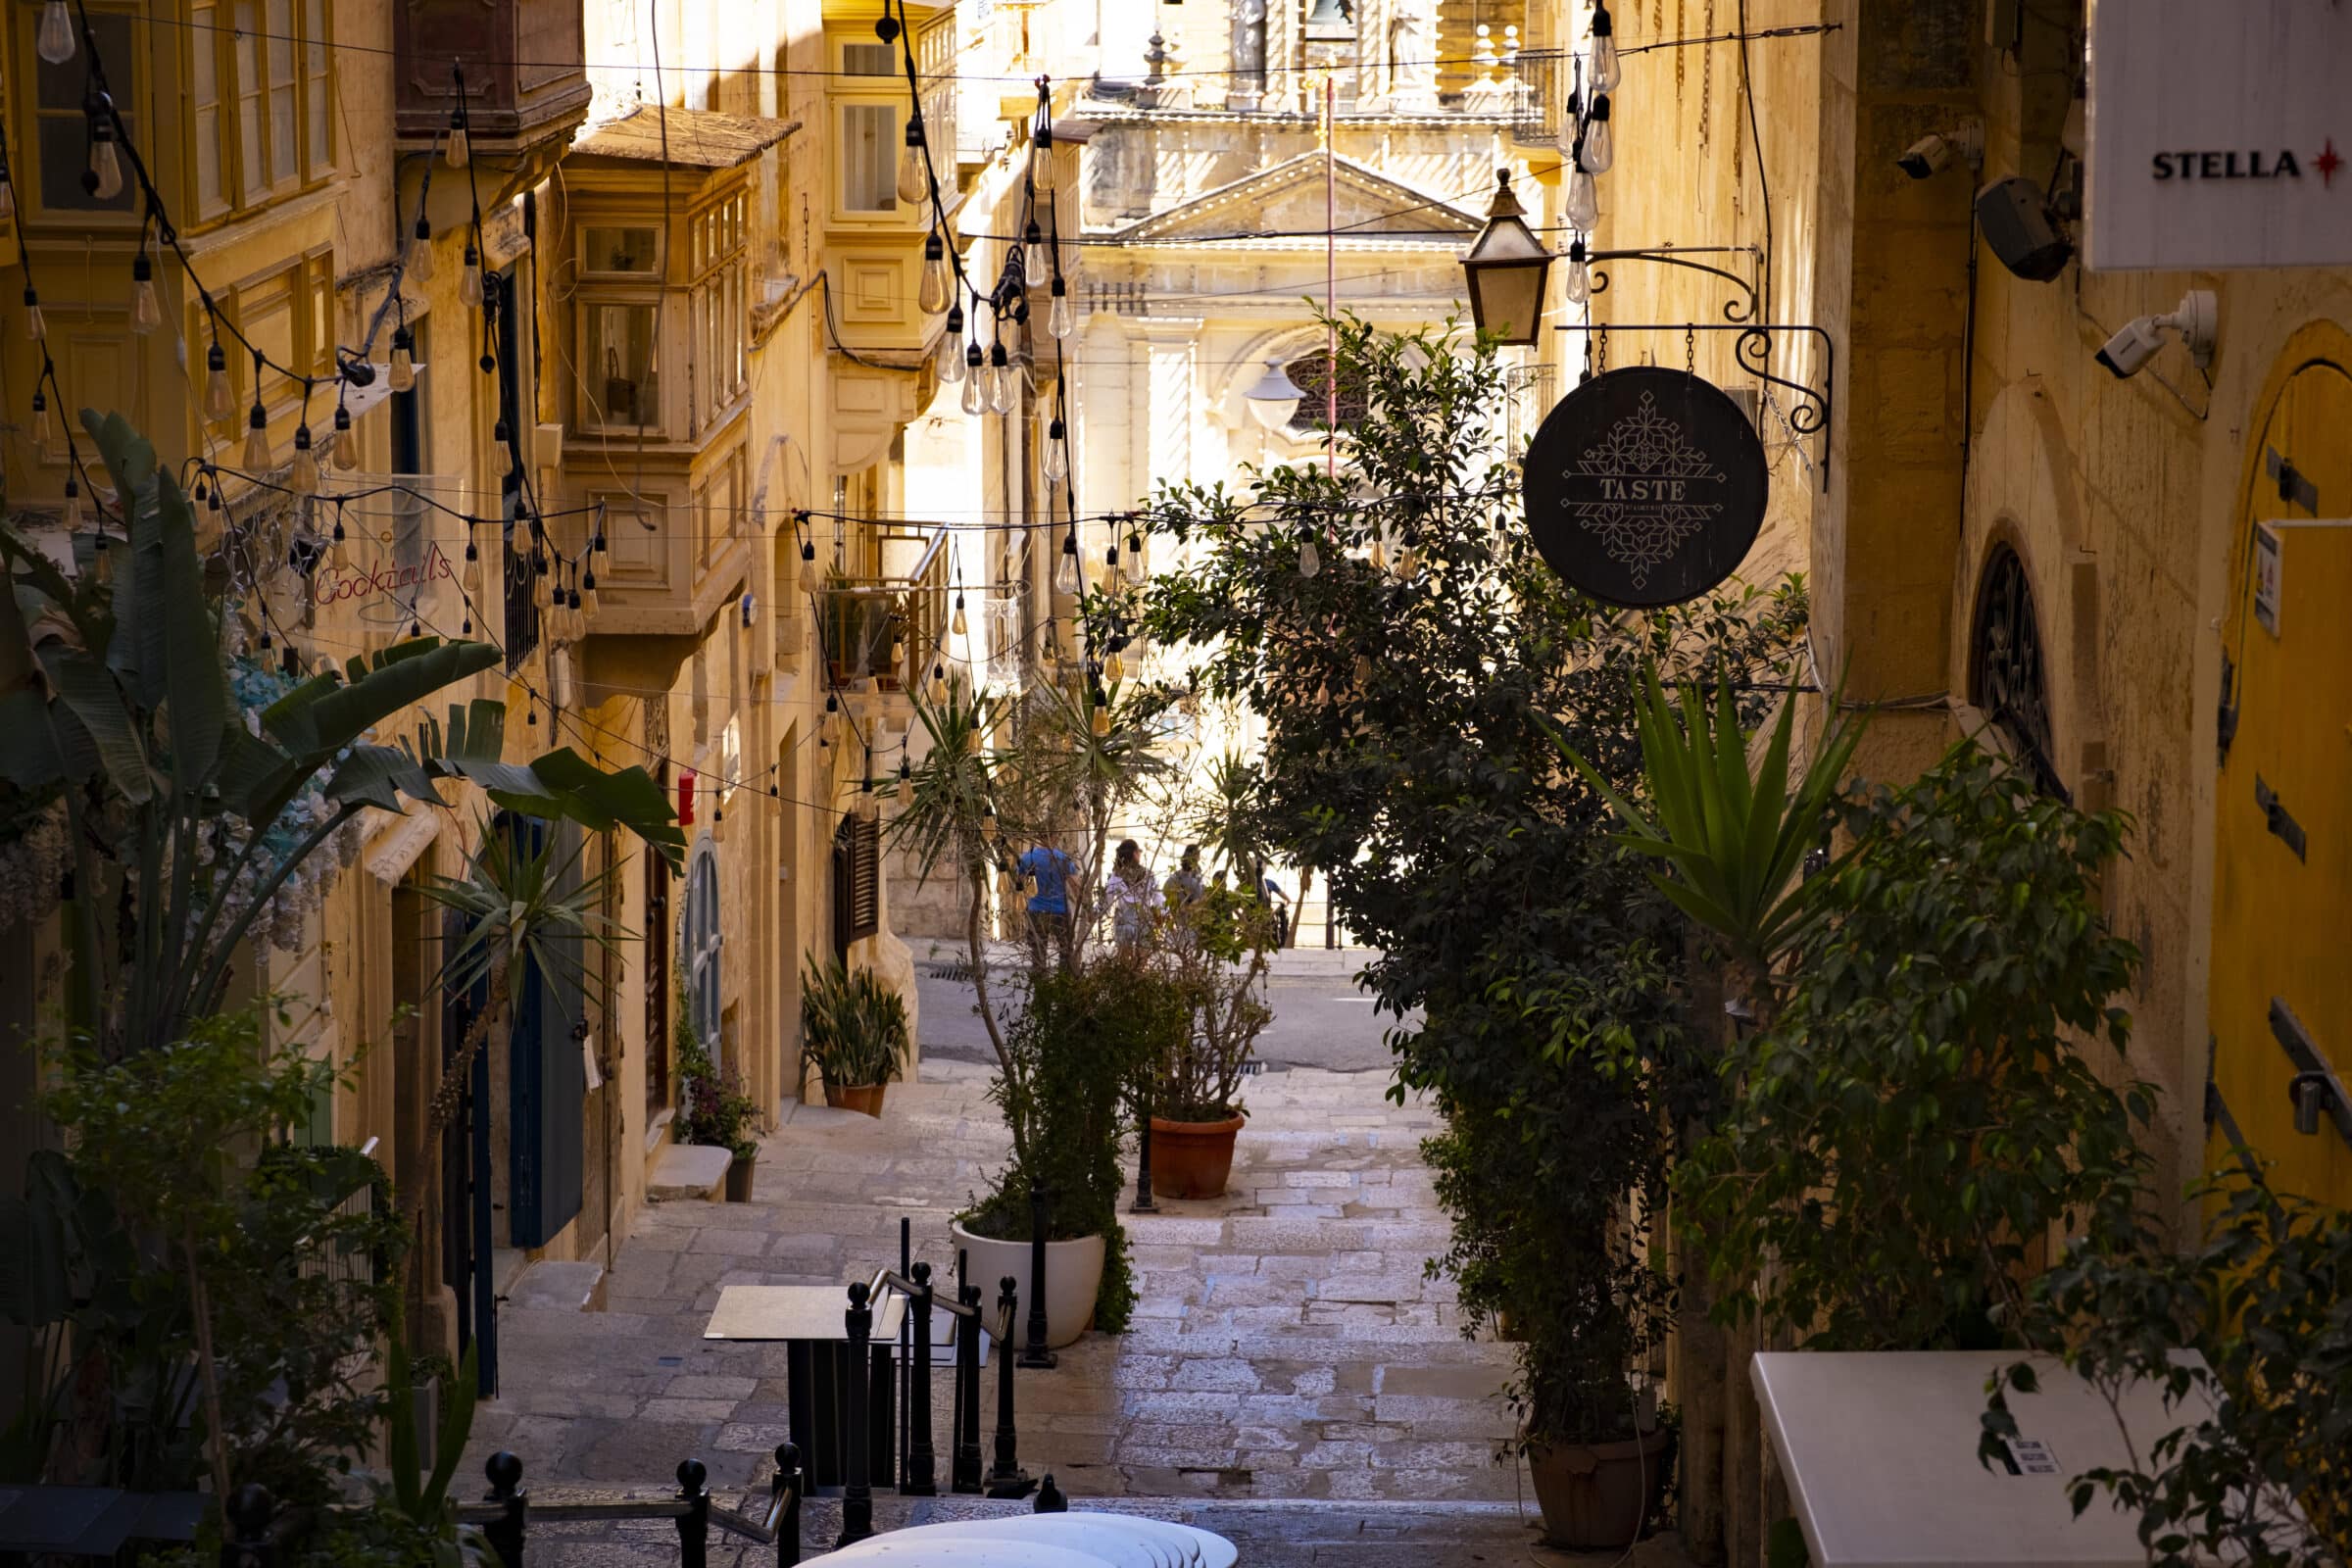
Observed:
{"x":327,"y":713}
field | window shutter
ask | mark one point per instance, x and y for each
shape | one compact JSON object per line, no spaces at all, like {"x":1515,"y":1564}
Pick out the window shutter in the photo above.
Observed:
{"x":856,"y":882}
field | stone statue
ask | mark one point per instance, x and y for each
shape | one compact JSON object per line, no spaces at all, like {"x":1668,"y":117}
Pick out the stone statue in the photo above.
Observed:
{"x":1413,"y":55}
{"x":1248,"y":90}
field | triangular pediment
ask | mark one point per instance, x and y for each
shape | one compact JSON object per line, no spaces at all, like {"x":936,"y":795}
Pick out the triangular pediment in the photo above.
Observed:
{"x":1290,"y":199}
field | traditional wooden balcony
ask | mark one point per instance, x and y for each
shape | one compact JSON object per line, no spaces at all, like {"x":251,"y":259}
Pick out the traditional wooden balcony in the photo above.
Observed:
{"x":525,"y":72}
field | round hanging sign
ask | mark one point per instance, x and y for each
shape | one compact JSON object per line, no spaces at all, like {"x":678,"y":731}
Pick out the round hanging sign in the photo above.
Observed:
{"x":1645,"y":486}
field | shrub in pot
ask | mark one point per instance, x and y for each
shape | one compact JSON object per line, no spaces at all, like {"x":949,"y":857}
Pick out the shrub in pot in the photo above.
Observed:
{"x":712,"y":1109}
{"x":1214,"y":949}
{"x":1071,"y":1053}
{"x":852,"y":1032}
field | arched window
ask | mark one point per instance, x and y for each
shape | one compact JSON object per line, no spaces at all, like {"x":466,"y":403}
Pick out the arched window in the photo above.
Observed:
{"x":699,"y":945}
{"x":1310,"y":375}
{"x":2004,"y":667}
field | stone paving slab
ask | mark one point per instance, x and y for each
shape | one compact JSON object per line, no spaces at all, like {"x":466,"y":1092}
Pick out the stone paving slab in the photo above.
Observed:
{"x":1283,"y":1349}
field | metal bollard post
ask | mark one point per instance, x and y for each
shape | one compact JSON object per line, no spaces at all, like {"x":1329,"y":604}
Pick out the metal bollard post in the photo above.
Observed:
{"x":246,"y":1542}
{"x":1008,"y":1479}
{"x":963,"y":1469}
{"x":505,"y":1534}
{"x":1049,"y":1499}
{"x":694,"y":1524}
{"x":918,"y":1476}
{"x":786,"y":1506}
{"x":1035,"y":1355}
{"x":857,"y":1492}
{"x":906,"y":1384}
{"x":1144,"y":1203}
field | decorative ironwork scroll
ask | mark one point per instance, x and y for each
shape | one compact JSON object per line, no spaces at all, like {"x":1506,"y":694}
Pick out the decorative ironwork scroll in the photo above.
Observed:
{"x":1810,"y":411}
{"x":2004,"y":667}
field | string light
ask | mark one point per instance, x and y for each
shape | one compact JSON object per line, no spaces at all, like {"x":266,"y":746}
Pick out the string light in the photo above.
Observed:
{"x":1033,"y":253}
{"x":1606,"y":67}
{"x":104,"y":178}
{"x":914,"y":176}
{"x":1060,"y":321}
{"x":1041,"y":160}
{"x":1578,"y":286}
{"x":305,"y":477}
{"x":1057,"y":463}
{"x":219,"y":402}
{"x":951,"y":348}
{"x":933,"y":298}
{"x":503,"y":441}
{"x":421,"y":250}
{"x":257,"y":424}
{"x":809,"y":577}
{"x":404,"y":356}
{"x":470,"y":280}
{"x":1583,"y":210}
{"x":458,"y":150}
{"x":1310,"y":560}
{"x":55,"y":40}
{"x":975,"y":381}
{"x":1598,"y":150}
{"x":41,"y":431}
{"x":8,"y":195}
{"x":1065,"y":571}
{"x":347,"y":449}
{"x":36,"y":326}
{"x":1000,"y":379}
{"x":146,"y":312}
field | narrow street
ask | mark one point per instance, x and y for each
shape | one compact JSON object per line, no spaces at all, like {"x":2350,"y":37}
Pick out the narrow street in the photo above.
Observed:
{"x":1287,"y":1346}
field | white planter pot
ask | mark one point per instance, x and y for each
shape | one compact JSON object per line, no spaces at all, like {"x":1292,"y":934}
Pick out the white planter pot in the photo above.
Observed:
{"x":1073,"y":1274}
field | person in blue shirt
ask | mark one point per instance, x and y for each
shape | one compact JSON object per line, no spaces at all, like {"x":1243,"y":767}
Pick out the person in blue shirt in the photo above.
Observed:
{"x":1050,"y":871}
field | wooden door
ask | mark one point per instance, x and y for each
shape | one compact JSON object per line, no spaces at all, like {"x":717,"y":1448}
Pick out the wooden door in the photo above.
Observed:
{"x":2280,"y":1000}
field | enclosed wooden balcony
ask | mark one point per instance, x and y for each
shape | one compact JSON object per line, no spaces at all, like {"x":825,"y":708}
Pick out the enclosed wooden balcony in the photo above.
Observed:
{"x":890,"y":629}
{"x":524,"y":71}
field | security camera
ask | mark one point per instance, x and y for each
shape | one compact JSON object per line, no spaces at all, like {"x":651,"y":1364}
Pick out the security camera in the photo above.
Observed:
{"x":2139,"y":339}
{"x":1932,"y":154}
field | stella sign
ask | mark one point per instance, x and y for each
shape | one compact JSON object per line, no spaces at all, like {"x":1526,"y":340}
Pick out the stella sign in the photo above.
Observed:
{"x":1645,"y":487}
{"x":2220,"y":134}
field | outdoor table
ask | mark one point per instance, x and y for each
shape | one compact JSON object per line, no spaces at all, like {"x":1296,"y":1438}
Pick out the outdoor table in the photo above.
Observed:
{"x":1879,"y":1452}
{"x":810,"y":1321}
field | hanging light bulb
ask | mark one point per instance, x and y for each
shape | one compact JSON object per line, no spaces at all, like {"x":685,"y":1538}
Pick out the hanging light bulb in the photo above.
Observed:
{"x":1062,"y":320}
{"x":347,"y":445}
{"x":1057,"y":463}
{"x":404,"y":360}
{"x":470,"y":281}
{"x":1310,"y":560}
{"x":146,"y":310}
{"x":459,"y":149}
{"x":939,"y":685}
{"x":1380,"y":554}
{"x":809,"y":576}
{"x":936,"y":276}
{"x":1100,"y":721}
{"x":975,"y":381}
{"x":55,"y":40}
{"x":503,"y":441}
{"x":1000,"y":379}
{"x":421,"y":250}
{"x":72,"y":517}
{"x":470,"y":580}
{"x":1363,"y":670}
{"x":1065,"y":569}
{"x":1578,"y":286}
{"x":1584,"y":202}
{"x":1605,"y":68}
{"x":1111,"y":568}
{"x":8,"y":197}
{"x":305,"y":476}
{"x":988,"y":824}
{"x":219,"y":402}
{"x":105,"y":180}
{"x":914,"y":171}
{"x":1033,"y":254}
{"x":1599,"y":149}
{"x":36,"y":326}
{"x":1041,"y":158}
{"x":41,"y":431}
{"x":256,"y":438}
{"x":957,"y":625}
{"x":951,"y":348}
{"x":1408,"y":563}
{"x":1114,"y":669}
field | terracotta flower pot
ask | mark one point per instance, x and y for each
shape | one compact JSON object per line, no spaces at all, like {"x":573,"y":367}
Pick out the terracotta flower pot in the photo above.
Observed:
{"x":1073,"y":1275}
{"x":1192,"y":1158}
{"x":739,"y":1178}
{"x":866,"y":1098}
{"x":1597,"y":1495}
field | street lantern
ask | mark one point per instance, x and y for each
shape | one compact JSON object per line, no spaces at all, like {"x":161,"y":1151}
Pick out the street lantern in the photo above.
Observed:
{"x":1506,"y":267}
{"x":1275,"y":399}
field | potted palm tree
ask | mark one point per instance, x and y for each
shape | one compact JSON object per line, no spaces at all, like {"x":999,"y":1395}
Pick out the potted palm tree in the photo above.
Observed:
{"x":1214,"y":949}
{"x":854,"y":1033}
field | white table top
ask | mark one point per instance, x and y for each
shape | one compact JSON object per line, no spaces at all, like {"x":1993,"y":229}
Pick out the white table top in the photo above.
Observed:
{"x":797,"y":1312}
{"x":1879,"y":1452}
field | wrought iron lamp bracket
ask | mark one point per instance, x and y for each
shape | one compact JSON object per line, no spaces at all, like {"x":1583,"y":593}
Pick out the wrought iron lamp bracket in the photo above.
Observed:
{"x":1739,"y":308}
{"x":1751,"y":347}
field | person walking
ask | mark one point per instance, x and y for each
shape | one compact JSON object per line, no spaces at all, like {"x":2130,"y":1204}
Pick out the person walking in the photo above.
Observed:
{"x":1185,"y":887}
{"x":1049,"y":872}
{"x":1278,"y":904}
{"x":1134,"y":897}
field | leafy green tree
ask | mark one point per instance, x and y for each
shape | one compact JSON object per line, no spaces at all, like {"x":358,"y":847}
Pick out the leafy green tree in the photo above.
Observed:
{"x":1922,"y":1112}
{"x":1408,"y":686}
